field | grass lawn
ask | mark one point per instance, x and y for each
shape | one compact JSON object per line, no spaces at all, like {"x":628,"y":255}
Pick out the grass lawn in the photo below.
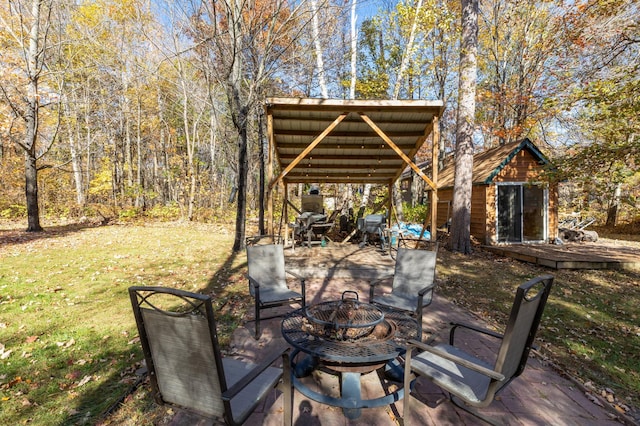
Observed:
{"x":69,"y":348}
{"x":68,"y":343}
{"x":590,"y":328}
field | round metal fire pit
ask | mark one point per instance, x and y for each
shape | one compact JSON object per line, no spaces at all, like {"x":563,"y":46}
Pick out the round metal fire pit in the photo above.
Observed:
{"x":345,"y":319}
{"x":347,"y":359}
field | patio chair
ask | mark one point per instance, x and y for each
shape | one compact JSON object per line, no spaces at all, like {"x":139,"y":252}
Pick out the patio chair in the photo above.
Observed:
{"x":178,"y":335}
{"x":268,"y":282}
{"x":413,"y":281}
{"x":469,"y":380}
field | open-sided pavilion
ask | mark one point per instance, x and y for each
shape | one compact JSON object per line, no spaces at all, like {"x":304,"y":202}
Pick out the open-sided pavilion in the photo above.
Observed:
{"x":348,"y":141}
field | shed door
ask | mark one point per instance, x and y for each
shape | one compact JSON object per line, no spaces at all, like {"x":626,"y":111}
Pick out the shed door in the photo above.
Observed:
{"x":509,"y":214}
{"x":533,"y":213}
{"x":521,"y":213}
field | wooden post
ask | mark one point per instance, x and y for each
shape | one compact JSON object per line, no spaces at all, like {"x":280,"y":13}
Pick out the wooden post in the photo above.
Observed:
{"x":270,"y":155}
{"x":285,"y":214}
{"x":435,"y":152}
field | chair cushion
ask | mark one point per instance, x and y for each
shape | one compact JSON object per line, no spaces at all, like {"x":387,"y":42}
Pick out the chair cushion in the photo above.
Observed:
{"x":271,"y":295}
{"x":467,"y":384}
{"x":248,"y":397}
{"x":401,"y":301}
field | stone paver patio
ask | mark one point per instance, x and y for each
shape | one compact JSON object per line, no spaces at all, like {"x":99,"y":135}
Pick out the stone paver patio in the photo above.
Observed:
{"x":540,"y":396}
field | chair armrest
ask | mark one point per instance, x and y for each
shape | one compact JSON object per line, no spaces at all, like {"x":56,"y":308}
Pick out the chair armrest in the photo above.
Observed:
{"x":253,"y":281}
{"x":302,"y":282}
{"x":379,"y":280}
{"x":372,"y":285}
{"x":424,"y":291}
{"x":456,"y":359}
{"x":455,"y":325}
{"x":255,"y":372}
{"x":293,"y":274}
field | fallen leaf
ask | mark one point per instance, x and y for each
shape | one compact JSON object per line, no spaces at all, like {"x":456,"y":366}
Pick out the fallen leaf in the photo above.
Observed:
{"x":73,"y":375}
{"x":66,"y":344}
{"x":31,"y":339}
{"x":84,"y":381}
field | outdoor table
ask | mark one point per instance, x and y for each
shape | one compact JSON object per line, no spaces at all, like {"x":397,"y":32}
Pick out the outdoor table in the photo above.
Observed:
{"x":348,"y":359}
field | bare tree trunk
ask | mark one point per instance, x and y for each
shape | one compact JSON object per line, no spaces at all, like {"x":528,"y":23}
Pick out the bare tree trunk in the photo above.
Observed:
{"x":34,"y":64}
{"x":261,"y":154}
{"x":612,"y":211}
{"x":461,"y":209}
{"x":190,"y":139}
{"x":140,"y":201}
{"x":354,"y":50}
{"x":77,"y":170}
{"x":239,"y":113}
{"x":31,"y":192}
{"x":75,"y":136}
{"x":408,"y":52}
{"x":318,"y":49}
{"x":397,"y":192}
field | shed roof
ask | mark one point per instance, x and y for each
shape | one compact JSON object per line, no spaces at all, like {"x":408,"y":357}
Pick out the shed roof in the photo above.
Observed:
{"x":347,"y":141}
{"x":487,"y":164}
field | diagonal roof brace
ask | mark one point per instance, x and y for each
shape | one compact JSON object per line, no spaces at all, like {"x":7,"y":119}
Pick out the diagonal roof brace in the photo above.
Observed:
{"x":398,"y":151}
{"x":309,"y":148}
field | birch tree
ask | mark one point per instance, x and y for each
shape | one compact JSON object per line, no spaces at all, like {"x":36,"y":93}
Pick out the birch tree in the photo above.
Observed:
{"x":354,"y":50}
{"x":318,"y":49}
{"x":407,"y":56}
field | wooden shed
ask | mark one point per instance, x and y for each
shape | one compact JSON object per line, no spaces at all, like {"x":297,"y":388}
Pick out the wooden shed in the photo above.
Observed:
{"x":510,"y":201}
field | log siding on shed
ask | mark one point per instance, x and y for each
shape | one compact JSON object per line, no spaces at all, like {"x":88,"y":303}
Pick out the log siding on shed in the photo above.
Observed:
{"x":518,"y":163}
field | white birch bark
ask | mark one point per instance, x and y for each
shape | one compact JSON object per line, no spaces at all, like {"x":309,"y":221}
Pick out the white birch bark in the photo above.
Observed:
{"x":354,"y":50}
{"x":407,"y":52}
{"x":318,"y":49}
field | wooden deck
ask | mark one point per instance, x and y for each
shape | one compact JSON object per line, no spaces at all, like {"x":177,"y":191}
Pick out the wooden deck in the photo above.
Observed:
{"x":597,"y":255}
{"x":350,"y":261}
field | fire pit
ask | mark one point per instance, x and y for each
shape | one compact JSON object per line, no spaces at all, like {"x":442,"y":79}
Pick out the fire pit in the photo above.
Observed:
{"x":345,"y":319}
{"x":347,"y":338}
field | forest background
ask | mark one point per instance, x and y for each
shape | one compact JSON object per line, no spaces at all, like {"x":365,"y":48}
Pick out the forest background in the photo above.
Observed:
{"x":128,"y":108}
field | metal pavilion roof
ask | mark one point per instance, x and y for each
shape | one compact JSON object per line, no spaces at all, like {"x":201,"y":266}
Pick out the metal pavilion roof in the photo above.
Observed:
{"x":347,"y":141}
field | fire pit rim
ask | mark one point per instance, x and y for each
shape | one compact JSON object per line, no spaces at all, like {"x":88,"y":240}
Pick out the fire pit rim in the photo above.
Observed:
{"x":337,"y":324}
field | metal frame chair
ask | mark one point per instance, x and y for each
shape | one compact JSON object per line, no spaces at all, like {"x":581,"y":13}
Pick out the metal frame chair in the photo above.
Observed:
{"x":413,"y":281}
{"x":470,"y":381}
{"x":180,"y":344}
{"x":268,"y":281}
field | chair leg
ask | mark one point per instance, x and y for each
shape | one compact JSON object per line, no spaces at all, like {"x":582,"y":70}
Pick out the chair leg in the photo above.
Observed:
{"x":287,"y":390}
{"x":408,"y":385}
{"x":257,"y":315}
{"x":460,"y":404}
{"x":419,"y":333}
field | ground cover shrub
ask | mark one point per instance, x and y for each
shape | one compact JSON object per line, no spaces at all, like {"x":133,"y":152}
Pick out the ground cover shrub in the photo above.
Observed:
{"x":415,"y":214}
